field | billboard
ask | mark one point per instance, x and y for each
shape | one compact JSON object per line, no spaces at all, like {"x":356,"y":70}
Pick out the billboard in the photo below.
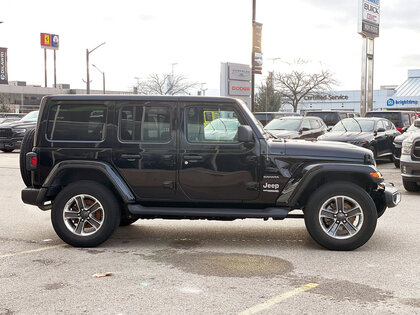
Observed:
{"x":369,"y":16}
{"x":235,"y":81}
{"x":50,"y":41}
{"x":3,"y":66}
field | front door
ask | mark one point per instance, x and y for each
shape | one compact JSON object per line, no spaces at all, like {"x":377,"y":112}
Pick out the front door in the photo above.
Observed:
{"x":146,"y":151}
{"x":214,"y":166}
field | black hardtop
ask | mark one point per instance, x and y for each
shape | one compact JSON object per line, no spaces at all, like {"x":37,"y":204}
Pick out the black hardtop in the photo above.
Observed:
{"x":132,"y":97}
{"x":331,"y":111}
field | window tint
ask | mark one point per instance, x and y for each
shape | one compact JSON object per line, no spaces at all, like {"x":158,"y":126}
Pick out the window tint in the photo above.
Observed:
{"x":328,"y":117}
{"x":145,"y":123}
{"x":394,"y":117}
{"x":76,"y":122}
{"x":209,"y":124}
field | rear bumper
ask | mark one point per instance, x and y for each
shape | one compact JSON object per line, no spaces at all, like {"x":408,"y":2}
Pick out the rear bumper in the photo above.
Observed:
{"x":36,"y":197}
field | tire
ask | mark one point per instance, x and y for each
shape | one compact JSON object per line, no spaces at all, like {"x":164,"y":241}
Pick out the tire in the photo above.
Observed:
{"x":321,"y":223}
{"x":127,"y":221}
{"x":7,"y":150}
{"x":26,"y":146}
{"x":411,"y":186}
{"x":372,"y":148}
{"x":397,"y":163}
{"x":72,"y":229}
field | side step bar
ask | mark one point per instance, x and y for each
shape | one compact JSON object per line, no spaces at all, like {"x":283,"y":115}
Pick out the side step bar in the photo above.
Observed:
{"x":275,"y":213}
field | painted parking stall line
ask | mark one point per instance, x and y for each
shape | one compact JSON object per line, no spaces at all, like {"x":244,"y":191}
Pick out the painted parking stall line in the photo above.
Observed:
{"x":277,"y":299}
{"x":32,"y":251}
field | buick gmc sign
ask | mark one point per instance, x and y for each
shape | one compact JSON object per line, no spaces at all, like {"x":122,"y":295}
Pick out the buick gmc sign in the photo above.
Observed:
{"x":369,"y":14}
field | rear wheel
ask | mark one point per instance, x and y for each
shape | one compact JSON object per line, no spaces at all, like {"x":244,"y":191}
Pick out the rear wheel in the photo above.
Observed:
{"x":85,"y":214}
{"x":340,"y":216}
{"x":411,"y":186}
{"x":26,"y":146}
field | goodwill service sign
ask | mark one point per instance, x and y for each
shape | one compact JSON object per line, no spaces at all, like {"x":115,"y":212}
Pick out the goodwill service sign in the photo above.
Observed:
{"x":369,"y":15}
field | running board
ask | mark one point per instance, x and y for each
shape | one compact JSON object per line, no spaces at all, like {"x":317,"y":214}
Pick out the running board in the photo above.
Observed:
{"x":159,"y":212}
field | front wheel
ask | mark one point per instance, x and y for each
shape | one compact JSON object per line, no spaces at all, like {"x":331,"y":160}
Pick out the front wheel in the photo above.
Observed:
{"x":340,"y":216}
{"x":85,"y":214}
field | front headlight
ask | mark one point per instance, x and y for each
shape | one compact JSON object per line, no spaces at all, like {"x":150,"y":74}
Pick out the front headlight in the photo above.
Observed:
{"x":19,"y":130}
{"x":406,"y":147}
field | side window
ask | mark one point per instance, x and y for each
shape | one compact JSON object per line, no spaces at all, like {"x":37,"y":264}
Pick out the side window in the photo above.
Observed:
{"x":211,"y":123}
{"x":315,"y":124}
{"x":76,"y":122}
{"x":388,"y":125}
{"x":145,"y":123}
{"x":305,"y":124}
{"x":380,"y":125}
{"x":405,"y":120}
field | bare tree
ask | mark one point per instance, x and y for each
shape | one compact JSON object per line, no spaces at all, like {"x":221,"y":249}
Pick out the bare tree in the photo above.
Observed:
{"x":297,"y":84}
{"x":165,"y":84}
{"x":4,"y":104}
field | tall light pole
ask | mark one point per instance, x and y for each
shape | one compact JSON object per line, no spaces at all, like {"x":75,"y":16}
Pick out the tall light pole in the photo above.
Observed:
{"x":103,"y":77}
{"x":171,"y":83}
{"x":87,"y":66}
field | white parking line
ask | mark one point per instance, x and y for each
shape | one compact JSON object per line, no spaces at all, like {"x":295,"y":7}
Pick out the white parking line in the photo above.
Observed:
{"x":277,"y":299}
{"x":32,"y":251}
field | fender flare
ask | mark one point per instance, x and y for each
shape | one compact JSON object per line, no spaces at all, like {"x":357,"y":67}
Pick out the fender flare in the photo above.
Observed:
{"x":301,"y":179}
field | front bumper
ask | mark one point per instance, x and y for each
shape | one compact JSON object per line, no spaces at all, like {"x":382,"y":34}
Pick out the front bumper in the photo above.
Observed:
{"x":410,"y":169}
{"x":391,"y":193}
{"x":10,"y":143}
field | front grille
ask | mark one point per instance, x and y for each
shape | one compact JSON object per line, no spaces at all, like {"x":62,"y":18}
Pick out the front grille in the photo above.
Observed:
{"x":5,"y":133}
{"x":416,"y":149}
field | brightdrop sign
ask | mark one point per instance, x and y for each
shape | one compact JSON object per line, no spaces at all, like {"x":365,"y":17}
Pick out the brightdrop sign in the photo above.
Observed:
{"x":369,"y":16}
{"x":391,"y":102}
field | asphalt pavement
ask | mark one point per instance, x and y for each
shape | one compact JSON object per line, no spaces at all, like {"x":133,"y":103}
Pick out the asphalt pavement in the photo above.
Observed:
{"x":205,"y":267}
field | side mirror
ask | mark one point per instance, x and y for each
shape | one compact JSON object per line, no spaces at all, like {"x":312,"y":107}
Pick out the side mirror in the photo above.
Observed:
{"x":245,"y":134}
{"x":381,"y":129}
{"x":329,"y":129}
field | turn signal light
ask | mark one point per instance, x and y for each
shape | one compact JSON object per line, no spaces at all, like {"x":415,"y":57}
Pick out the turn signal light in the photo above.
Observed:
{"x":375,"y":174}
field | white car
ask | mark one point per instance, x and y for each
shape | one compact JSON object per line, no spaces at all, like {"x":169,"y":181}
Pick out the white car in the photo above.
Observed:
{"x":221,"y":129}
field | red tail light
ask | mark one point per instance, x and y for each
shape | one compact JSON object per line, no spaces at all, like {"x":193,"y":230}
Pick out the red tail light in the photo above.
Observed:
{"x":34,"y":161}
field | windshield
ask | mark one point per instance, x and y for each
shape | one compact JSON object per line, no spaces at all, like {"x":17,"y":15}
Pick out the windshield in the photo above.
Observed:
{"x":31,"y":117}
{"x":353,"y":125}
{"x":283,"y":124}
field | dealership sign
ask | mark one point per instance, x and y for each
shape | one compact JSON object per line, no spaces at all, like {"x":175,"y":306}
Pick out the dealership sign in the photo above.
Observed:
{"x":3,"y":66}
{"x":50,"y":41}
{"x":235,"y":81}
{"x":369,"y":15}
{"x":239,"y":88}
{"x":394,"y":102}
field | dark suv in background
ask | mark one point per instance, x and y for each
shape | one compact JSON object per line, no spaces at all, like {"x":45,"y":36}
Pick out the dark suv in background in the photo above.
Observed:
{"x":307,"y":128}
{"x":11,"y":134}
{"x":266,"y":117}
{"x":401,"y":119}
{"x":332,"y":117}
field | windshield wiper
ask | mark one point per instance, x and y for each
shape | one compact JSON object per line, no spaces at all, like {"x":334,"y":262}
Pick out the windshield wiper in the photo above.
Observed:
{"x":270,"y":134}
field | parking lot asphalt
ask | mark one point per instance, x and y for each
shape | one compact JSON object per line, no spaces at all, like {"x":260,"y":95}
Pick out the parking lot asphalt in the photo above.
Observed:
{"x":205,"y":267}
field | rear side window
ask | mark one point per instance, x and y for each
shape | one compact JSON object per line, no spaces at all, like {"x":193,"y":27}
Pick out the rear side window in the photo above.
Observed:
{"x":76,"y":122}
{"x":145,"y":123}
{"x":315,"y":124}
{"x":405,"y":120}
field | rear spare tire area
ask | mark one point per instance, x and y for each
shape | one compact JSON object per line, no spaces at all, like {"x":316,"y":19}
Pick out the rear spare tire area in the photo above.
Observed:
{"x":85,"y":214}
{"x":26,"y":146}
{"x":340,"y":216}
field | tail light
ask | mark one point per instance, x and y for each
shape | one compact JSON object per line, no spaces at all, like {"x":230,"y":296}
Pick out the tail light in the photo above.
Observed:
{"x":31,"y":161}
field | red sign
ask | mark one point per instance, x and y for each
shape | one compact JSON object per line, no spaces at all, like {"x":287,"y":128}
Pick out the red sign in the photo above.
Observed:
{"x":45,"y":40}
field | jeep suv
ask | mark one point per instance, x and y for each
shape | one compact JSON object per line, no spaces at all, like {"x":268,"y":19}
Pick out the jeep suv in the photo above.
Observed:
{"x":103,"y":161}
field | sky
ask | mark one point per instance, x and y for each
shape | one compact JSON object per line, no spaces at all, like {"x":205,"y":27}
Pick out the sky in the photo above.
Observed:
{"x":144,"y":37}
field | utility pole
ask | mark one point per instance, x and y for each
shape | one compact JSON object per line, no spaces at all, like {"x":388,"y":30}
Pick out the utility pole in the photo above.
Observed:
{"x":87,"y":66}
{"x":103,"y":77}
{"x":254,"y":6}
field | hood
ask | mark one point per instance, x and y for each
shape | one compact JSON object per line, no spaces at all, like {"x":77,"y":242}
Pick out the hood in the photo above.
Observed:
{"x":320,"y":150}
{"x":405,"y":135}
{"x":285,"y":134}
{"x":347,"y":136}
{"x":19,"y":124}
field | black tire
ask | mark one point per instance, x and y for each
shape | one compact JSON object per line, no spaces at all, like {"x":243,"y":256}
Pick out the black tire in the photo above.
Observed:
{"x":26,"y":146}
{"x":7,"y":150}
{"x":372,"y":148}
{"x":127,"y":221}
{"x":397,"y":163}
{"x":109,"y":214}
{"x":365,"y":221}
{"x":411,"y":186}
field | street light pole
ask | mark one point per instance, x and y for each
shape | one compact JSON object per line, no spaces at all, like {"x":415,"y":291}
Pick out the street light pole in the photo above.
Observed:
{"x":103,"y":77}
{"x":254,"y":6}
{"x":87,"y":66}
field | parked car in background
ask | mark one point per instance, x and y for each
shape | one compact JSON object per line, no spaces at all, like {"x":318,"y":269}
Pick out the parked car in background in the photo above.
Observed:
{"x":332,"y":117}
{"x":12,"y":115}
{"x":308,"y":128}
{"x":401,"y":119}
{"x":410,"y":162}
{"x":11,"y":134}
{"x":415,"y":127}
{"x":375,"y":134}
{"x":266,"y":117}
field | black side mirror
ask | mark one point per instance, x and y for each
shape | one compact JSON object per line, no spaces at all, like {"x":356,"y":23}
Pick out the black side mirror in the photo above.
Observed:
{"x":245,"y":134}
{"x":329,"y":129}
{"x":381,"y":129}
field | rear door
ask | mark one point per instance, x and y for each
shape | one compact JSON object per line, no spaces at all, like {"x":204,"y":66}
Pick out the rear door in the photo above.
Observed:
{"x":214,"y":166}
{"x":146,"y":150}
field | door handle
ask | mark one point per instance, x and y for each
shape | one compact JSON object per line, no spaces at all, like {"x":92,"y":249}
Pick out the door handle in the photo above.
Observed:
{"x":131,"y":156}
{"x":193,"y":157}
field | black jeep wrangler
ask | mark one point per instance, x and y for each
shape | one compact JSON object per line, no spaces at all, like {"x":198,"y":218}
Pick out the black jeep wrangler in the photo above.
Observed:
{"x":103,"y":161}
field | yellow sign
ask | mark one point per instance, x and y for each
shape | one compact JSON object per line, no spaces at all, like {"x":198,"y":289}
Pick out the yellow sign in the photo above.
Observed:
{"x":210,"y":115}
